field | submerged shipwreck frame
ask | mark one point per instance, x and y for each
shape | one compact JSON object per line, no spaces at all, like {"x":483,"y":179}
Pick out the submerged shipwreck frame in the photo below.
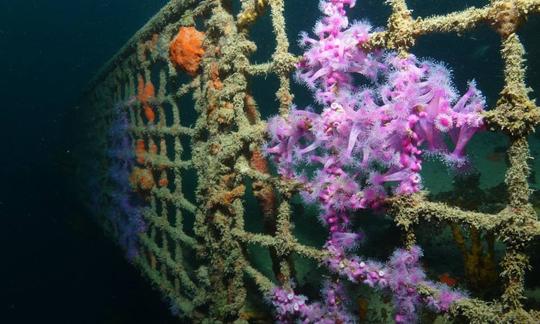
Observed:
{"x":205,"y":274}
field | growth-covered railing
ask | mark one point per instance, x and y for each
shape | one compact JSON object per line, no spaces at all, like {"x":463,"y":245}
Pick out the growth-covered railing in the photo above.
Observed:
{"x":175,"y":142}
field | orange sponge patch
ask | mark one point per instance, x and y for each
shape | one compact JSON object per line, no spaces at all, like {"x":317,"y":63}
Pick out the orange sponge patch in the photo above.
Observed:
{"x":149,"y":113}
{"x":145,"y":90}
{"x":163,"y":182}
{"x":186,"y":49}
{"x":140,"y":151}
{"x":145,"y":93}
{"x":142,"y":179}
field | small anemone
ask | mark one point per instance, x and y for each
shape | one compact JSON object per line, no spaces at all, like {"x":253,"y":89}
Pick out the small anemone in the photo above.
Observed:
{"x":346,"y":240}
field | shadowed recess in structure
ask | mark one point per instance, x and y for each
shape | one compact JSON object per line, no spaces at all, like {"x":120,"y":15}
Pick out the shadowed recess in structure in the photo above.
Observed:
{"x":529,"y":36}
{"x":262,"y":30}
{"x":472,"y":56}
{"x":374,"y":12}
{"x":263,"y":89}
{"x":425,"y":9}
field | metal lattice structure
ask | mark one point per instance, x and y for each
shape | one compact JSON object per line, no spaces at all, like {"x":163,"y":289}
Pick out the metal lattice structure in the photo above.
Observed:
{"x":202,"y":268}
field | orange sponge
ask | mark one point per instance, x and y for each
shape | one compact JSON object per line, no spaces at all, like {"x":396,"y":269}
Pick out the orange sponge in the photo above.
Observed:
{"x":145,"y":92}
{"x":142,"y":179}
{"x":186,"y":49}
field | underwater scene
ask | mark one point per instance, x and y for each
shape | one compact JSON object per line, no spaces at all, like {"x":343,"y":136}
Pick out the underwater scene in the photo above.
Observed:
{"x":275,"y":161}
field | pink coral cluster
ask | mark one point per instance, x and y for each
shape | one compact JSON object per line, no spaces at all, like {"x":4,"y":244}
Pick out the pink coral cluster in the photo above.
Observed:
{"x":401,"y":275}
{"x":330,"y":60}
{"x":369,"y":142}
{"x":379,"y":135}
{"x":293,"y":308}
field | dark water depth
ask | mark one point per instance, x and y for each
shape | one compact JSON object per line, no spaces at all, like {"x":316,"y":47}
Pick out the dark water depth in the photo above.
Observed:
{"x":57,"y":267}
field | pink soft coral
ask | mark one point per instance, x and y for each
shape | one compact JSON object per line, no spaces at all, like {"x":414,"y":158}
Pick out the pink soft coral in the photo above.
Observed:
{"x":369,"y":142}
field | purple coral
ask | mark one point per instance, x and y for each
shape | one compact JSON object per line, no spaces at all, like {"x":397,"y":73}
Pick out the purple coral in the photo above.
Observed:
{"x":292,"y":308}
{"x":369,"y":141}
{"x":402,"y":275}
{"x":124,"y":211}
{"x":329,"y":60}
{"x":382,"y":136}
{"x":405,"y":275}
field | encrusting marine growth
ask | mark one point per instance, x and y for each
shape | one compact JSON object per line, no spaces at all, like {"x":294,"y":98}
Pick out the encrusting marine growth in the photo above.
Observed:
{"x":367,"y":139}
